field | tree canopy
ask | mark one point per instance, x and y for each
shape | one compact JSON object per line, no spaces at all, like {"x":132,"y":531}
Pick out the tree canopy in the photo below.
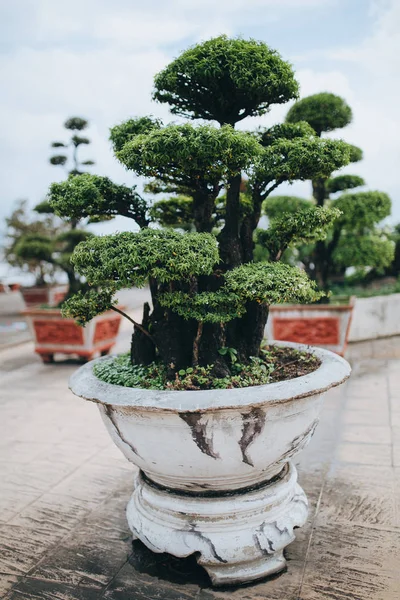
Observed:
{"x":225,"y":80}
{"x":323,"y":112}
{"x":206,"y":290}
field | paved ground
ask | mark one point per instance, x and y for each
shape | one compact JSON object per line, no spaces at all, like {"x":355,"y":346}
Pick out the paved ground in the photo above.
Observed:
{"x":64,"y":487}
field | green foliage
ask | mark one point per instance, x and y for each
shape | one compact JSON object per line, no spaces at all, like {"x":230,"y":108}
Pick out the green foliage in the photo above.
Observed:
{"x":43,"y":208}
{"x":126,"y":131}
{"x":275,"y":206}
{"x":343,"y":182}
{"x":88,"y":195}
{"x":218,"y":178}
{"x":78,"y":140}
{"x":72,"y":124}
{"x":363,"y":209}
{"x":58,"y":160}
{"x":208,"y":307}
{"x":301,"y":159}
{"x":225,"y":80}
{"x":285,"y":131}
{"x":127,"y":259}
{"x":84,"y":306}
{"x":307,"y":225}
{"x":35,"y":248}
{"x":174,"y":212}
{"x":271,"y":283}
{"x":76,"y":123}
{"x":324,"y":112}
{"x":372,"y":250}
{"x":20,"y":226}
{"x":270,"y":366}
{"x":356,"y":154}
{"x":190,"y":155}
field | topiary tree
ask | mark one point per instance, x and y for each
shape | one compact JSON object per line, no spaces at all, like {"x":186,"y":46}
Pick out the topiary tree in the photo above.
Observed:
{"x":72,"y":124}
{"x":354,"y":240}
{"x":21,"y":226}
{"x":69,"y":160}
{"x":207,"y":293}
{"x":42,"y":246}
{"x":49,"y":254}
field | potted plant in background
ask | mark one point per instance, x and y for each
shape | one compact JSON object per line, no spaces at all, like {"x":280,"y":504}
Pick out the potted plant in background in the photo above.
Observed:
{"x":44,"y":292}
{"x":47,"y":248}
{"x":52,"y":333}
{"x":21,"y":225}
{"x":209,"y":414}
{"x":353,"y":240}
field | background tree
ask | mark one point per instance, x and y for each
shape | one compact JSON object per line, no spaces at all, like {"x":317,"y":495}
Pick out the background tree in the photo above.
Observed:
{"x":206,"y":291}
{"x":20,"y":225}
{"x":44,"y":253}
{"x":44,"y":245}
{"x":355,"y":239}
{"x":71,"y":162}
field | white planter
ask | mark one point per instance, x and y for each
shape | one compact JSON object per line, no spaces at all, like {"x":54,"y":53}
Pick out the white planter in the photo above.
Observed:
{"x":215,"y":473}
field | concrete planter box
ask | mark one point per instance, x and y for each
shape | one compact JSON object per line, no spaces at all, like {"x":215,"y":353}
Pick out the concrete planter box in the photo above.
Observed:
{"x":215,"y":472}
{"x":11,"y":301}
{"x":54,"y":334}
{"x":50,"y":295}
{"x":324,"y":325}
{"x":375,"y":317}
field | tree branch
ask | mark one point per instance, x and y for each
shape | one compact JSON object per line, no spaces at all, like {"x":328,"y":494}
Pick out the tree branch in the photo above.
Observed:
{"x":196,"y":343}
{"x":137,"y":325}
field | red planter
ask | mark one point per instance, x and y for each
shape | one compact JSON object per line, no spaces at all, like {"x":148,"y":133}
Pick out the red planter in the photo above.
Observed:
{"x":50,"y":295}
{"x":324,"y":325}
{"x":54,"y":334}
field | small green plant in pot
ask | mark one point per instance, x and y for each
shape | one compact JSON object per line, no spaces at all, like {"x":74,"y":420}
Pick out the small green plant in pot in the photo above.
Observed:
{"x":193,"y":404}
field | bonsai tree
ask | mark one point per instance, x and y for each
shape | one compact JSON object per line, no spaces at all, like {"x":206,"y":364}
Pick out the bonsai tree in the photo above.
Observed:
{"x":209,"y":299}
{"x":73,"y":124}
{"x":39,"y":245}
{"x":69,"y":160}
{"x":354,"y":239}
{"x":20,"y":226}
{"x":49,"y":254}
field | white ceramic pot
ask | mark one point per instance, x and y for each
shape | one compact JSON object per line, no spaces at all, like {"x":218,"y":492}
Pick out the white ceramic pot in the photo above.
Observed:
{"x":215,"y":476}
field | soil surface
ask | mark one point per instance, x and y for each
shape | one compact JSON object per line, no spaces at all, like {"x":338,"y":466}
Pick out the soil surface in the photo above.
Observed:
{"x":290,"y":363}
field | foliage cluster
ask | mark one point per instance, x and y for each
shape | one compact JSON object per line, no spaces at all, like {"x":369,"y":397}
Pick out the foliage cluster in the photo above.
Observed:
{"x":207,"y":292}
{"x":354,"y":238}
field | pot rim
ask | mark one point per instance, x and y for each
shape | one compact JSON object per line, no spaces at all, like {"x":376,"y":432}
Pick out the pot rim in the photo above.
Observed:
{"x":333,"y":371}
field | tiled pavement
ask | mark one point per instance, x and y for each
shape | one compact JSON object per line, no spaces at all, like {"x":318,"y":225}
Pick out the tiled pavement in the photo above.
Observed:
{"x":64,"y":487}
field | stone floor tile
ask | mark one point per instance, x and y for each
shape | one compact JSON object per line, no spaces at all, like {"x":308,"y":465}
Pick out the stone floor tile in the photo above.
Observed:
{"x":364,"y":434}
{"x":395,"y":419}
{"x":95,"y":551}
{"x":7,"y":582}
{"x":359,"y":350}
{"x":352,"y":562}
{"x":359,"y":494}
{"x":396,"y":456}
{"x":365,"y":454}
{"x":35,"y":589}
{"x":51,"y":511}
{"x":21,"y":548}
{"x":379,"y":405}
{"x":366,"y":417}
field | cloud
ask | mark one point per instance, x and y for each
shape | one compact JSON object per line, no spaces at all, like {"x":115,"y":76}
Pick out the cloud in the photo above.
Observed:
{"x":97,"y":59}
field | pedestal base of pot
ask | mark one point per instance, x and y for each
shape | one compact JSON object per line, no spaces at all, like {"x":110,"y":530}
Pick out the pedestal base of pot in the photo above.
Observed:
{"x":239,"y":536}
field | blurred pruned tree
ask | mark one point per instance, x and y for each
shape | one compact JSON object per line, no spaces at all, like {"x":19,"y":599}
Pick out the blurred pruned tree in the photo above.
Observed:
{"x":355,"y":238}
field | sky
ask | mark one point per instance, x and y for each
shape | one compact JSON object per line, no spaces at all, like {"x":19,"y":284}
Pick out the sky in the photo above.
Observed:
{"x":97,"y":59}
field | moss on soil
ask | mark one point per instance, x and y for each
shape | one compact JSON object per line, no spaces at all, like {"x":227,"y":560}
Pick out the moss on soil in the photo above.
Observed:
{"x":274,"y":364}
